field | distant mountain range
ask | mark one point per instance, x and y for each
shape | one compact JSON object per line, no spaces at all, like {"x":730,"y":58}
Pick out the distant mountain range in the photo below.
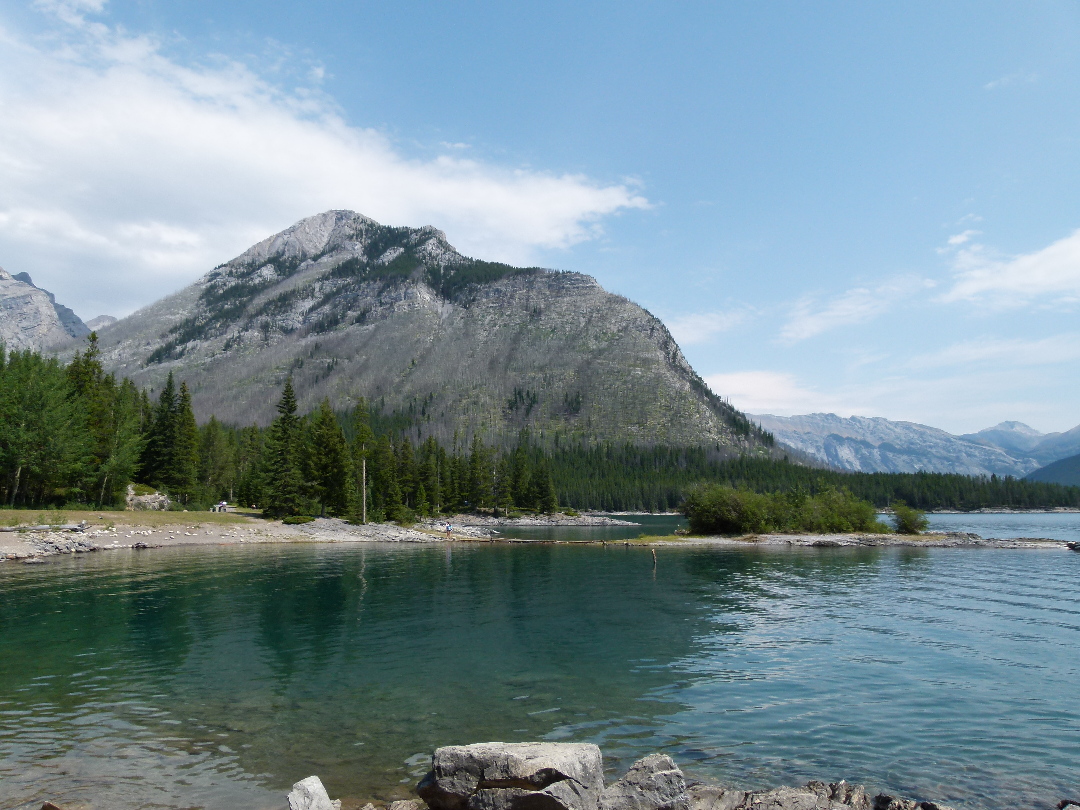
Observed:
{"x":875,"y":444}
{"x":450,"y":345}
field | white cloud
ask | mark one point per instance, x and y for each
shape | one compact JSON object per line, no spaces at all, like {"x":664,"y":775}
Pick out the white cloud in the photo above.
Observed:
{"x":1007,"y":281}
{"x":773,"y":392}
{"x":808,"y":318}
{"x":700,"y":327}
{"x":961,"y":238}
{"x":1003,"y":353}
{"x":1012,"y":80}
{"x":125,"y":174}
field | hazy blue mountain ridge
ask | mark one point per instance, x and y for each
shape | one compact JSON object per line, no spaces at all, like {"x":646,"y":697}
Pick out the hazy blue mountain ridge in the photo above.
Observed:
{"x":875,"y":444}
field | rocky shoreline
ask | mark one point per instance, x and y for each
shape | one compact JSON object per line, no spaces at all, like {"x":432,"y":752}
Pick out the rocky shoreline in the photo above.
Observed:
{"x":570,"y":776}
{"x":37,"y":543}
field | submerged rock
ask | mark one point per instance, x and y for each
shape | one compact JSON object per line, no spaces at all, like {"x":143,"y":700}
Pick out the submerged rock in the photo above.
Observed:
{"x":309,"y":794}
{"x":652,"y":783}
{"x":514,"y":776}
{"x":813,"y":796}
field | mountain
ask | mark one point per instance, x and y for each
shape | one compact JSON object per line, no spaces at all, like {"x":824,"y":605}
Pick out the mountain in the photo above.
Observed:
{"x":1063,"y":471}
{"x":30,"y":318}
{"x":455,"y":345}
{"x":1012,"y":437}
{"x":100,"y":322}
{"x":1018,"y":439}
{"x":874,"y":444}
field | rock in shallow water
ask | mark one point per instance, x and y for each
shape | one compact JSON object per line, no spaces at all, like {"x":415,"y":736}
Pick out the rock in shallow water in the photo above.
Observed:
{"x":652,"y":783}
{"x":514,"y":776}
{"x":309,"y":794}
{"x":814,"y":796}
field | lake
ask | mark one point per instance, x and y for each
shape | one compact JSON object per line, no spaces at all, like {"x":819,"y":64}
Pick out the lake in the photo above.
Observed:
{"x":197,"y":677}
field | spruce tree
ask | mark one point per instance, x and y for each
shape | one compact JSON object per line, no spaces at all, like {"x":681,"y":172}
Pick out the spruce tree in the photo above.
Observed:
{"x":328,"y":461}
{"x":284,"y":488}
{"x":360,"y":452}
{"x":182,"y":477}
{"x":157,"y":459}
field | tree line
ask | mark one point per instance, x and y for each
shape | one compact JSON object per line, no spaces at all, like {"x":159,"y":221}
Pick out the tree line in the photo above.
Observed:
{"x":73,"y":434}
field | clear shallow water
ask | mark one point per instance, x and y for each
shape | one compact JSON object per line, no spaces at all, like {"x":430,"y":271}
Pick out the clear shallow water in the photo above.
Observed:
{"x":1052,"y":525}
{"x":217,"y":677}
{"x":653,"y":525}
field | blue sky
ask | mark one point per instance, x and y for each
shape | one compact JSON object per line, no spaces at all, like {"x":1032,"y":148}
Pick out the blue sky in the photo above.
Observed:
{"x":851,"y":207}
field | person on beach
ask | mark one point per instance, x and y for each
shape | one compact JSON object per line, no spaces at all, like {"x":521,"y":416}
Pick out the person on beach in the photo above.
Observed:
{"x":449,"y":528}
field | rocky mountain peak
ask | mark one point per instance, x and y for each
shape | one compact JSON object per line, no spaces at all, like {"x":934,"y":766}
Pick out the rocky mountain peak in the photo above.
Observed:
{"x":30,"y":317}
{"x":349,"y":307}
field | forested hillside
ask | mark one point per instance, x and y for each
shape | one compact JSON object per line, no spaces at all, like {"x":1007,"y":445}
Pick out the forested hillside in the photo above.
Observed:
{"x":74,"y":434}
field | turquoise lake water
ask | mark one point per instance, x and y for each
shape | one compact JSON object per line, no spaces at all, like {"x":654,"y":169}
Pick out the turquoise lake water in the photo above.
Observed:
{"x":182,"y":678}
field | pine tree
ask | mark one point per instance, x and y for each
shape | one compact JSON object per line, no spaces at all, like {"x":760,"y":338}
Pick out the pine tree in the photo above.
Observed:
{"x":249,"y":467}
{"x":360,"y":451}
{"x":157,"y":458}
{"x":549,"y":499}
{"x":182,"y":477}
{"x":328,"y":461}
{"x":218,"y":449}
{"x":284,"y":487}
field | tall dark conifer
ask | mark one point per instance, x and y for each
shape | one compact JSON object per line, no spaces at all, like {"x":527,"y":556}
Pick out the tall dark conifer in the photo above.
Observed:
{"x":284,"y":488}
{"x":328,"y":461}
{"x":157,"y":459}
{"x":182,"y":478}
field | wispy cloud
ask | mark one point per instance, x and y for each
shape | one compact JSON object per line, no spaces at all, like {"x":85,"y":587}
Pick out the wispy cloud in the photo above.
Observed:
{"x":981,"y":275}
{"x":961,"y":238}
{"x":1011,"y":80}
{"x":125,"y":173}
{"x":700,"y":327}
{"x":773,"y":392}
{"x":1016,"y":352}
{"x":809,"y":316}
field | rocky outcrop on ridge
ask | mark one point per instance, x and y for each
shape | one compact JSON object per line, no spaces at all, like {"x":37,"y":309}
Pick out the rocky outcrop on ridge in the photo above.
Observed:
{"x":30,"y":318}
{"x":456,"y":345}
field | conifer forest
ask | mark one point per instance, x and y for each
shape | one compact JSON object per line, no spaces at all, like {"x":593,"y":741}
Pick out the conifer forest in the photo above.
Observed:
{"x":73,"y":435}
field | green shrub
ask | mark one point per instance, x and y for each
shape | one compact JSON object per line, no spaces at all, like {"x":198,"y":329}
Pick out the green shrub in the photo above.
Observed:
{"x":403,"y":516}
{"x":52,"y":518}
{"x":296,"y":520}
{"x":715,"y":509}
{"x":143,"y":489}
{"x":909,"y":520}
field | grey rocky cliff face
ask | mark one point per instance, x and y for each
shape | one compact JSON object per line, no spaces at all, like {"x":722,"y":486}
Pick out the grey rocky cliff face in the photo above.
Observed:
{"x":351,"y":308}
{"x":71,"y":322}
{"x":30,"y":317}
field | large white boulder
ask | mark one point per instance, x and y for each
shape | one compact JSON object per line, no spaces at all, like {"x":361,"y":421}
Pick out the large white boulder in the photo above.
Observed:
{"x":309,"y":794}
{"x":514,"y":776}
